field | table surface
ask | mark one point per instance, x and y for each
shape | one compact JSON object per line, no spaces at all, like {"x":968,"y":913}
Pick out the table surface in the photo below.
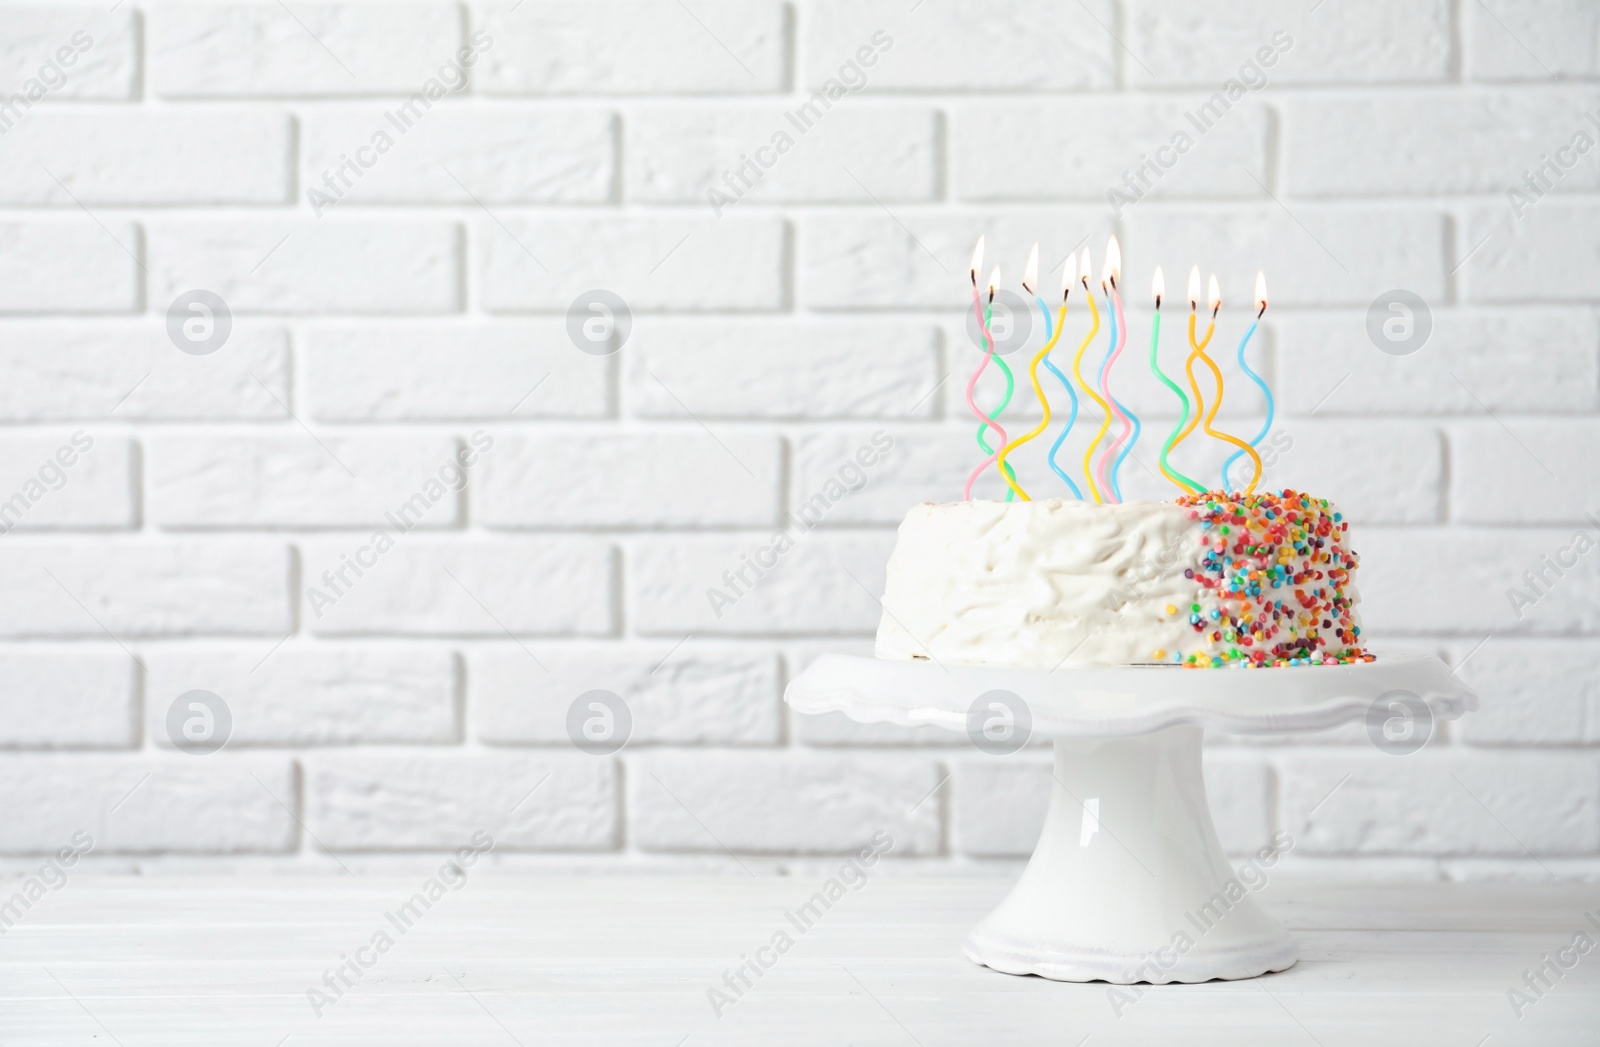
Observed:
{"x":629,"y":959}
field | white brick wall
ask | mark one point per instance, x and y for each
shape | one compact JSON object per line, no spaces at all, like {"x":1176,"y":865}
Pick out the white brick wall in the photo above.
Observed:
{"x":397,"y":287}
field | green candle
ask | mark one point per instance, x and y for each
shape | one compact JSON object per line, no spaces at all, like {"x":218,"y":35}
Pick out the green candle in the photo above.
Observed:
{"x":1155,"y":367}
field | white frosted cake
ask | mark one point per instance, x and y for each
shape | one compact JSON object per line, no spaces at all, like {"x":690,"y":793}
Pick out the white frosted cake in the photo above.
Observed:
{"x":1206,"y":581}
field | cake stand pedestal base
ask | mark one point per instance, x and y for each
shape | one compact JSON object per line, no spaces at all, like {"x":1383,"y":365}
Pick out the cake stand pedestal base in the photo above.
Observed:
{"x":1129,"y":882}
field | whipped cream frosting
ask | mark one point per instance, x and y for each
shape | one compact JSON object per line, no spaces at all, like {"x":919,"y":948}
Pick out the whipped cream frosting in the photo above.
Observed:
{"x":1063,"y":582}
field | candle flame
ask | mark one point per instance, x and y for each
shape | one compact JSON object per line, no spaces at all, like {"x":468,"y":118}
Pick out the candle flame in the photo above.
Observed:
{"x":1113,"y":270}
{"x":1194,"y":287}
{"x":977,"y":260}
{"x":1030,"y":273}
{"x":1158,"y":286}
{"x":1069,"y":273}
{"x":1084,"y":268}
{"x":1213,"y":295}
{"x":1261,"y":292}
{"x":994,"y":281}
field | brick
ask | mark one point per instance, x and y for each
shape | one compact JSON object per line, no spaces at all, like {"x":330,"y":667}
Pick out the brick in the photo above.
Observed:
{"x":66,"y":697}
{"x":144,"y":805}
{"x":1460,"y":582}
{"x":808,"y":590}
{"x":692,"y":695}
{"x":1540,"y":361}
{"x":155,"y":157}
{"x":667,"y":263}
{"x":1532,"y":40}
{"x":309,"y":265}
{"x":998,"y":806}
{"x":543,"y":586}
{"x":40,"y":490}
{"x":1532,"y":692}
{"x":994,"y":152}
{"x":1433,"y":802}
{"x":103,"y":62}
{"x":470,"y":369}
{"x":1333,"y":459}
{"x":212,"y":50}
{"x":401,"y":801}
{"x":727,"y":802}
{"x":864,"y":261}
{"x":502,"y":156}
{"x":662,"y":479}
{"x":1455,"y":143}
{"x":942,"y":45}
{"x":298,"y":695}
{"x":1366,"y":41}
{"x":1312,"y":255}
{"x":617,"y":47}
{"x":139,"y":587}
{"x":856,"y":368}
{"x":296,"y":480}
{"x":69,"y":265}
{"x":71,"y":371}
{"x":924,"y":464}
{"x":765,"y":154}
{"x":1525,"y":471}
{"x":1240,"y":790}
{"x":1546,"y":256}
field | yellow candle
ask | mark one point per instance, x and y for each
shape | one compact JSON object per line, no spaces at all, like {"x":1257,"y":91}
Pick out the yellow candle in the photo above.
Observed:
{"x":1077,"y":370}
{"x":1216,"y":374}
{"x":1195,"y":349}
{"x":1029,"y":279}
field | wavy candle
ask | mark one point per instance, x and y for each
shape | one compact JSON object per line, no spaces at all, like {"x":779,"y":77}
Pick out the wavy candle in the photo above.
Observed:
{"x":1119,"y":338}
{"x":1131,"y":435}
{"x":1077,"y":371}
{"x":972,"y":383}
{"x":1181,"y":433}
{"x":1266,"y":390}
{"x":1158,"y":287}
{"x":1006,"y":472}
{"x":1028,"y":280}
{"x":1216,"y":375}
{"x":1068,"y":276}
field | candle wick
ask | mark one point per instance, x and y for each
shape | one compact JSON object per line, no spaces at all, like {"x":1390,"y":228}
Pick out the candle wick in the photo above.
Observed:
{"x":1263,"y":311}
{"x":1158,"y":301}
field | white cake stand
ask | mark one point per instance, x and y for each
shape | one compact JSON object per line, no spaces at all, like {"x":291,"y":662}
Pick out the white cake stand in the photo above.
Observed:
{"x":1128,"y":881}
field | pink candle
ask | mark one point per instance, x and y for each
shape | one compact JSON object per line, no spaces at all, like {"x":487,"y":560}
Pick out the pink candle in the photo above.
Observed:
{"x":972,"y":383}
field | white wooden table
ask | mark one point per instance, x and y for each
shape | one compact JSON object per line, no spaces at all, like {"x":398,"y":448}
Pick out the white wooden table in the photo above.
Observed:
{"x":528,"y":960}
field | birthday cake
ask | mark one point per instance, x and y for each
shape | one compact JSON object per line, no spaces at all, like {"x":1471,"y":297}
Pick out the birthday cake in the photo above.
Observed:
{"x":1205,"y":581}
{"x":1212,"y":579}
